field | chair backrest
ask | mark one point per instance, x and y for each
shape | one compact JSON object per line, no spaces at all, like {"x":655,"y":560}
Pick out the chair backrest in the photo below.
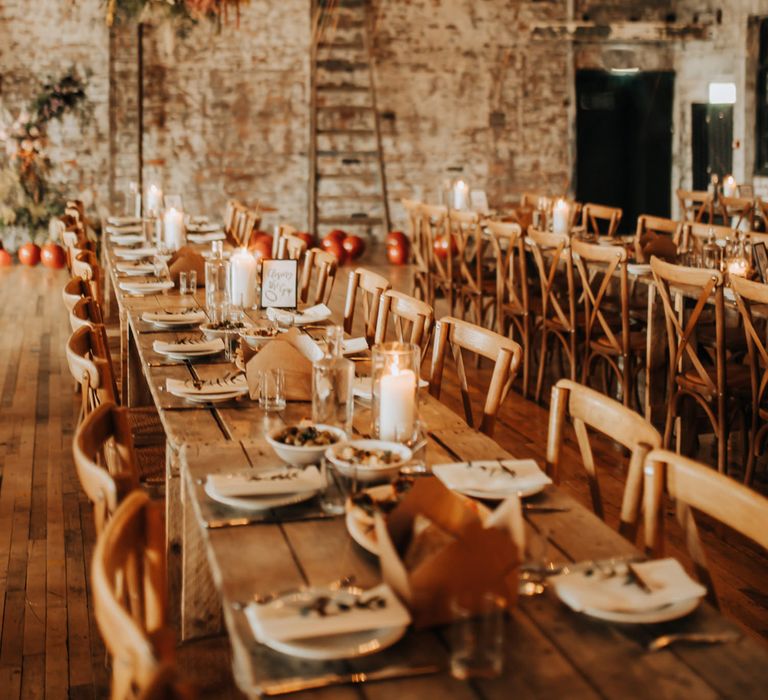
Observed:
{"x":695,"y":486}
{"x":601,"y":220}
{"x":86,"y":265}
{"x":703,"y":284}
{"x":105,"y":460}
{"x":647,"y":224}
{"x":280,"y":231}
{"x":761,"y":205}
{"x":471,"y":248}
{"x":737,"y":211}
{"x":85,"y":312}
{"x":695,"y":205}
{"x":229,"y":216}
{"x":508,"y":246}
{"x":128,"y":580}
{"x":589,"y":408}
{"x":502,"y":351}
{"x":367,"y":287}
{"x":73,"y":290}
{"x":323,"y":266}
{"x":695,"y":235}
{"x":536,"y":200}
{"x":419,"y":252}
{"x":434,"y":227}
{"x":90,"y":365}
{"x":246,"y":222}
{"x":412,"y":319}
{"x":558,"y":305}
{"x":290,"y":247}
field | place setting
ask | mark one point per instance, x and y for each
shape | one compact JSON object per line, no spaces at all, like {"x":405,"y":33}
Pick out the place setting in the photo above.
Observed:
{"x":144,"y":287}
{"x":170,"y":319}
{"x":189,"y":348}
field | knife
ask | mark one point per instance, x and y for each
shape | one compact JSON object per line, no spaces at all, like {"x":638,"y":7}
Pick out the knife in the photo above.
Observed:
{"x":294,"y":685}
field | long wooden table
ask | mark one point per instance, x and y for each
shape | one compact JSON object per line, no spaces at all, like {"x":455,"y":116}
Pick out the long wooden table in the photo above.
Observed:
{"x":551,"y":651}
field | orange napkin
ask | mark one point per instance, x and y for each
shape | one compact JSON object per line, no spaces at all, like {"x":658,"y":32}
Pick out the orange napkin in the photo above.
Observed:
{"x":187,"y":260}
{"x":661,"y":246}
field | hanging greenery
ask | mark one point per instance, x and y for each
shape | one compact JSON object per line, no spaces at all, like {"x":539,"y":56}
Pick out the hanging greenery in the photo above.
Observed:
{"x":27,"y":198}
{"x":184,"y":10}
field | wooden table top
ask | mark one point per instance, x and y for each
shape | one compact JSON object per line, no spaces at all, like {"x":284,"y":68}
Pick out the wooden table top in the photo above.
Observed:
{"x":550,"y":650}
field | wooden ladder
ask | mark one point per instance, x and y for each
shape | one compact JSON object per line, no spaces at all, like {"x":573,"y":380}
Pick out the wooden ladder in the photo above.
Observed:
{"x":347,"y":185}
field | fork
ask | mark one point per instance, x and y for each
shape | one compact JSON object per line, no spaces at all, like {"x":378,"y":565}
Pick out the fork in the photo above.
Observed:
{"x":665,"y":640}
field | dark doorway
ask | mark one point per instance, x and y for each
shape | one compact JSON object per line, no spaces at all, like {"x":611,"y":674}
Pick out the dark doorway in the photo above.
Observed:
{"x":711,"y":140}
{"x":624,"y":141}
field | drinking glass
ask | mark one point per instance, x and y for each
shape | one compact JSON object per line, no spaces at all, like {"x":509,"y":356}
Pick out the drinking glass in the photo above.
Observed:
{"x":477,"y":637}
{"x":338,"y":488}
{"x":272,"y":389}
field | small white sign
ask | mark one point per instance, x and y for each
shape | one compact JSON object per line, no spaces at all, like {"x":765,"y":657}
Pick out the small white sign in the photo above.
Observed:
{"x":279,"y":282}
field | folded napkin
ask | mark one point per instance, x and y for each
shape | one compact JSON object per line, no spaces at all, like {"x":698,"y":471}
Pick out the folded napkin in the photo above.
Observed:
{"x":294,"y":616}
{"x":312,"y":314}
{"x":146,"y":252}
{"x":191,"y":316}
{"x":127,"y":239}
{"x":267,"y":483}
{"x":203,"y":227}
{"x":189,"y":261}
{"x":660,"y":245}
{"x":350,"y":346}
{"x":638,"y":268}
{"x":146,"y":287}
{"x":297,"y":369}
{"x":208,"y":387}
{"x":120,"y":221}
{"x":206,"y":237}
{"x":488,"y":476}
{"x":594,"y":588}
{"x":115,"y":231}
{"x":202,"y":346}
{"x":135,"y":268}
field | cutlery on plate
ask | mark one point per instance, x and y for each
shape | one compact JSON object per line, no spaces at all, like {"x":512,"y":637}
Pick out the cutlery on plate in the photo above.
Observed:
{"x":294,"y":685}
{"x":665,"y":640}
{"x":536,"y":508}
{"x":343,"y":582}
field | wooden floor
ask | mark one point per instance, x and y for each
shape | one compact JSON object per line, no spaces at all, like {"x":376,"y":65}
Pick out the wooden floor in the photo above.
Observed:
{"x":49,"y":646}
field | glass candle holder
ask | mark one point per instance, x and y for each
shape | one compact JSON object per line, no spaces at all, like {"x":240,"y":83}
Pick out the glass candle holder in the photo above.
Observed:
{"x":395,"y":376}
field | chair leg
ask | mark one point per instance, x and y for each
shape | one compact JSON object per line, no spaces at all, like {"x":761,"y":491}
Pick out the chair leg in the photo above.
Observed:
{"x":526,"y":355}
{"x":722,"y":435}
{"x":542,"y":363}
{"x":671,"y":410}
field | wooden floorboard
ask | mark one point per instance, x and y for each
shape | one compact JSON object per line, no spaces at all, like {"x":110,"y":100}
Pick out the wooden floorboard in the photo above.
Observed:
{"x":49,"y":644}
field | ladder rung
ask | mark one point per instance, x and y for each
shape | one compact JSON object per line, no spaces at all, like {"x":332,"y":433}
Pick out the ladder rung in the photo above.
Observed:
{"x":350,"y":220}
{"x":334,"y":64}
{"x":343,"y":87}
{"x":341,"y":45}
{"x":345,"y":108}
{"x":348,"y":132}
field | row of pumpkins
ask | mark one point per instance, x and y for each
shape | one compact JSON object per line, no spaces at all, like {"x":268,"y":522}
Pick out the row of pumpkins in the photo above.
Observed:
{"x":344,"y":247}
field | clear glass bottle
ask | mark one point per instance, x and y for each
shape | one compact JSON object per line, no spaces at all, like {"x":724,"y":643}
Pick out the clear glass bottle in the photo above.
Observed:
{"x":216,"y":287}
{"x":332,"y":380}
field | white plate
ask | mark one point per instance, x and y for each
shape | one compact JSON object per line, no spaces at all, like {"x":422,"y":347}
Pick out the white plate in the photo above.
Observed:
{"x":495,"y":495}
{"x":213,"y":333}
{"x":210,"y":398}
{"x":647,"y":617}
{"x":140,"y":270}
{"x":259,"y":502}
{"x":338,"y":646}
{"x":172,"y":324}
{"x":361,"y":532}
{"x":638,"y":269}
{"x":134,"y":253}
{"x":188,"y":355}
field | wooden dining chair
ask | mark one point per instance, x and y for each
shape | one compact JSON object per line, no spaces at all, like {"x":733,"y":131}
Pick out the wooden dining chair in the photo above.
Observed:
{"x":537,"y":200}
{"x":710,"y":386}
{"x":693,"y":486}
{"x":513,"y":313}
{"x":600,"y":220}
{"x":412,"y":319}
{"x":105,"y":460}
{"x":73,"y":291}
{"x":474,"y":288}
{"x":322,"y":266}
{"x":437,"y":245}
{"x":588,"y":408}
{"x":557,"y":321}
{"x":695,"y":205}
{"x":246,"y":223}
{"x":754,"y":295}
{"x":86,"y":265}
{"x":291,"y":247}
{"x":164,"y":684}
{"x":502,"y":351}
{"x":419,"y":251}
{"x":280,"y":231}
{"x":693,"y":235}
{"x":230,"y":211}
{"x":737,"y":212}
{"x":656,"y":233}
{"x":609,"y":339}
{"x":365,"y":287}
{"x":761,"y":212}
{"x":85,"y":312}
{"x":128,"y":581}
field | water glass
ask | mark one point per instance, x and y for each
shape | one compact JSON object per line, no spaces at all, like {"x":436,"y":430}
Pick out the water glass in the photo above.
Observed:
{"x":477,"y":637}
{"x":188,"y":282}
{"x":272,"y":389}
{"x":338,"y":488}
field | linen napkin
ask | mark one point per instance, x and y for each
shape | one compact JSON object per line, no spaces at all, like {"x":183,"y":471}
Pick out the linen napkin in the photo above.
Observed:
{"x":120,"y":221}
{"x":312,"y":314}
{"x":131,"y":253}
{"x":589,"y":589}
{"x":127,"y":239}
{"x":206,"y":237}
{"x":270,"y":482}
{"x":203,"y":346}
{"x":135,"y":268}
{"x":191,"y":316}
{"x":488,"y":476}
{"x":207,"y":387}
{"x":122,"y":230}
{"x":291,"y":618}
{"x":147,"y":287}
{"x":187,"y":260}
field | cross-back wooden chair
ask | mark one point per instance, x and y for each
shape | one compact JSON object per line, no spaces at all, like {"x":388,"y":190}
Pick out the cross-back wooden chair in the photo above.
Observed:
{"x":246,"y":222}
{"x":710,"y":386}
{"x":737,"y":212}
{"x":128,"y":580}
{"x":513,"y":313}
{"x":536,"y":200}
{"x":694,"y":235}
{"x":749,"y":295}
{"x":608,"y":336}
{"x":600,"y":220}
{"x":322,"y":266}
{"x":474,"y":289}
{"x":505,"y":353}
{"x":282,"y":230}
{"x":105,"y":460}
{"x":650,"y":228}
{"x":411,"y":318}
{"x":419,"y":252}
{"x":86,"y":265}
{"x":695,"y":205}
{"x":588,"y":408}
{"x":230,"y":211}
{"x":557,"y":314}
{"x":434,"y":229}
{"x":291,"y":247}
{"x":693,"y":486}
{"x":367,"y":287}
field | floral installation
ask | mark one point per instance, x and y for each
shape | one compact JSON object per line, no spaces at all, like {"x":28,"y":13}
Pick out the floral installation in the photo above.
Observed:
{"x":27,"y":199}
{"x":184,"y":10}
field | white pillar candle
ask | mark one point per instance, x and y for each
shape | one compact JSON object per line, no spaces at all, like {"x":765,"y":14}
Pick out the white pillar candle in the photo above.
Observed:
{"x":243,"y":268}
{"x":560,"y":215}
{"x":398,"y":405}
{"x":729,"y":186}
{"x":461,"y":196}
{"x":154,"y":199}
{"x":173,"y":229}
